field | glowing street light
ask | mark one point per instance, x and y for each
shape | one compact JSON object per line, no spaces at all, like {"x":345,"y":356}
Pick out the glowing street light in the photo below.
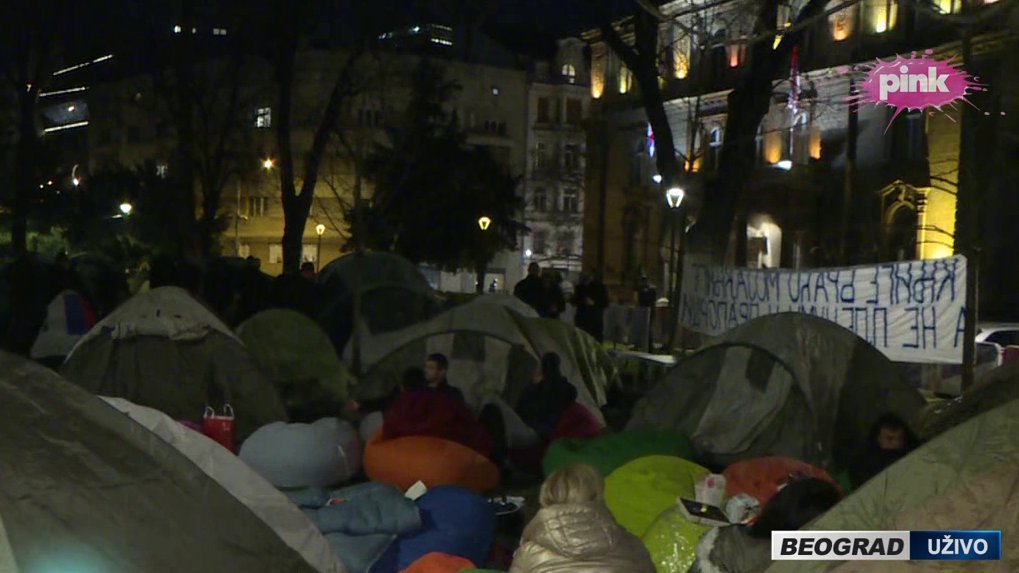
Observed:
{"x":268,"y":163}
{"x":674,"y":197}
{"x":484,"y":223}
{"x":657,"y":178}
{"x":126,"y":208}
{"x":76,"y":181}
{"x":320,"y":230}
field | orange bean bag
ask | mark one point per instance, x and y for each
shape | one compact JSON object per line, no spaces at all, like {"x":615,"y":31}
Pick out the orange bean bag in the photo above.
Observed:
{"x":439,"y":563}
{"x":403,"y":461}
{"x":761,"y":477}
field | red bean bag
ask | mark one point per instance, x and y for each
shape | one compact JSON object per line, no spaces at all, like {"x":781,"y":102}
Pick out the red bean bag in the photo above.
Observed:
{"x":403,"y":461}
{"x":439,"y":563}
{"x":577,"y":422}
{"x":761,"y":477}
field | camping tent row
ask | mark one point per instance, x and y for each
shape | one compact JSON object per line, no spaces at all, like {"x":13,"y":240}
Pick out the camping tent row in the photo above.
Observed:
{"x":492,"y":349}
{"x":787,"y":385}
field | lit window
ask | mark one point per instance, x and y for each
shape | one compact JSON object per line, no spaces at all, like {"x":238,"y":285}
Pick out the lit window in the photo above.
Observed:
{"x":625,"y":79}
{"x":263,"y":118}
{"x":570,"y":73}
{"x":680,"y":52}
{"x":219,"y":31}
{"x":880,"y":15}
{"x":736,"y":54}
{"x":597,"y":76}
{"x":495,"y":90}
{"x":161,"y":170}
{"x":244,"y":250}
{"x":715,"y":136}
{"x":784,"y":19}
{"x":176,"y":29}
{"x":258,"y":206}
{"x":309,"y":253}
{"x":275,"y":254}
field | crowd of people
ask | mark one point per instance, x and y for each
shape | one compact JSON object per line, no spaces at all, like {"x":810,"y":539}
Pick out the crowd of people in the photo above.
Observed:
{"x":542,"y":291}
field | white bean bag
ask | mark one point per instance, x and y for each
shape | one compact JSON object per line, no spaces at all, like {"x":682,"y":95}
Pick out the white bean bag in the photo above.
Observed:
{"x":324,"y":453}
{"x":371,"y":424}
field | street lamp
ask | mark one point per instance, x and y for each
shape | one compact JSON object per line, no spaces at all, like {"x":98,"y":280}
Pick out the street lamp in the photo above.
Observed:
{"x":320,"y":230}
{"x":674,"y":198}
{"x":268,"y":164}
{"x":126,"y":208}
{"x":484,"y":223}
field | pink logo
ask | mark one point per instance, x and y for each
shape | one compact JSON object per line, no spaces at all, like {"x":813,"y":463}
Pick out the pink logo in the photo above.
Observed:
{"x":914,"y":83}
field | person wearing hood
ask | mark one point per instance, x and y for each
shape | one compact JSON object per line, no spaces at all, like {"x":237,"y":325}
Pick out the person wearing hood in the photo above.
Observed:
{"x":544,"y":401}
{"x":889,"y":440}
{"x":574,"y":530}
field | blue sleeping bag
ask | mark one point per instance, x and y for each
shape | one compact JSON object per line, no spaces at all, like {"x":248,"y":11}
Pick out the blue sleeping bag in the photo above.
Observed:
{"x":456,"y":521}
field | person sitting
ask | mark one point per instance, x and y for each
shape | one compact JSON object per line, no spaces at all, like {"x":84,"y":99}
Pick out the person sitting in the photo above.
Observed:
{"x":543,"y":402}
{"x":421,"y":411}
{"x":436,"y":367}
{"x":574,"y":530}
{"x":889,"y":440}
{"x":747,"y":549}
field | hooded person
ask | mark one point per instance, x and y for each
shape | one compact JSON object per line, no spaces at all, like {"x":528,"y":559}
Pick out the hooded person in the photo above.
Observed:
{"x":544,"y":401}
{"x":890,"y":439}
{"x":747,"y":549}
{"x":421,"y":411}
{"x":574,"y":530}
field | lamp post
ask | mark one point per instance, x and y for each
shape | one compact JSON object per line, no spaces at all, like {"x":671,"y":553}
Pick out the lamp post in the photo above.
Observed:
{"x":483,"y":223}
{"x":674,"y":198}
{"x":126,"y":208}
{"x":320,"y":230}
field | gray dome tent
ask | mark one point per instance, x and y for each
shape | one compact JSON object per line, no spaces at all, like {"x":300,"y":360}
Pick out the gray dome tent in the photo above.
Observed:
{"x":376,"y":292}
{"x":786,"y":384}
{"x":164,"y":350}
{"x":84,"y":488}
{"x":994,"y":388}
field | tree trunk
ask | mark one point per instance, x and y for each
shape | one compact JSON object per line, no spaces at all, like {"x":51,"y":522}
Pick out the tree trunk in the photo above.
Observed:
{"x":28,"y":143}
{"x":482,"y":271}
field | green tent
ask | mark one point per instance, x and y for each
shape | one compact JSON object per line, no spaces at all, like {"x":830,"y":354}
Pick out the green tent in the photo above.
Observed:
{"x":785,"y":385}
{"x":966,"y":478}
{"x":164,"y":350}
{"x":84,"y":488}
{"x":994,"y":388}
{"x":492,"y":350}
{"x":301,"y":362}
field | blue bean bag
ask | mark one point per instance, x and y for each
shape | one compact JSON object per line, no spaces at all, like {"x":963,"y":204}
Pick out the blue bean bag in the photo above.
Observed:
{"x":456,"y":521}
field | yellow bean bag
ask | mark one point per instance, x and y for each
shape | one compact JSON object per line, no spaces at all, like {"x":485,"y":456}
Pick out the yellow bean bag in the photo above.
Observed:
{"x":672,"y":541}
{"x":403,"y":461}
{"x":638,"y":492}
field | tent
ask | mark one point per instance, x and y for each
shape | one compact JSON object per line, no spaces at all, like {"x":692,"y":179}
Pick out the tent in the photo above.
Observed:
{"x":385,"y":291}
{"x":506,"y":300}
{"x":164,"y":350}
{"x":301,"y":362}
{"x":84,"y":488}
{"x":68,"y":318}
{"x":102,"y":282}
{"x":966,"y":478}
{"x":993,"y":388}
{"x":786,"y":385}
{"x":492,"y":350}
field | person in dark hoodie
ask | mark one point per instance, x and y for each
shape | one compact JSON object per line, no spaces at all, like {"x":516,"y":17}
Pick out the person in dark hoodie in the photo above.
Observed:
{"x":421,"y":411}
{"x":890,"y":439}
{"x":544,"y":401}
{"x":436,"y":367}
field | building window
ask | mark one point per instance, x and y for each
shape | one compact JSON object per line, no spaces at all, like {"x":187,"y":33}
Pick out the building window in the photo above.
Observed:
{"x":309,"y":253}
{"x":244,"y":250}
{"x":275,"y":254}
{"x":598,"y":75}
{"x":714,"y":146}
{"x":161,"y":170}
{"x":841,"y":22}
{"x":571,"y":157}
{"x":544,"y":110}
{"x":565,"y":247}
{"x":540,"y":155}
{"x":219,"y":31}
{"x":880,"y":15}
{"x":784,"y":18}
{"x":680,"y":52}
{"x":571,"y":200}
{"x":574,"y":111}
{"x":496,"y":127}
{"x":263,"y":118}
{"x":736,"y":54}
{"x":949,"y":6}
{"x":569,"y":73}
{"x":539,"y":243}
{"x":625,"y":79}
{"x":540,"y":199}
{"x":257,"y":206}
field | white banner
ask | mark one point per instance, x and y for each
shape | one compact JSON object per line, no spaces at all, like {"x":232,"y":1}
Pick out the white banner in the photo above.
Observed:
{"x":912,"y":311}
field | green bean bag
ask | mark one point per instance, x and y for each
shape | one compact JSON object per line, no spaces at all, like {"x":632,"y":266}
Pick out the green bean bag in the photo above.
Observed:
{"x":672,"y":541}
{"x":609,"y":452}
{"x":641,"y":490}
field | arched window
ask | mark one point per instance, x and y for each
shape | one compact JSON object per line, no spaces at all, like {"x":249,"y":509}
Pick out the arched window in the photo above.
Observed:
{"x":841,"y":22}
{"x":880,"y":15}
{"x":625,"y":79}
{"x":570,"y":73}
{"x":540,"y":200}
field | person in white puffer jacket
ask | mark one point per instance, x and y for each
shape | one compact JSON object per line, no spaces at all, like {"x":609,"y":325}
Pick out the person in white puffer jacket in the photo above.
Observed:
{"x":574,"y":530}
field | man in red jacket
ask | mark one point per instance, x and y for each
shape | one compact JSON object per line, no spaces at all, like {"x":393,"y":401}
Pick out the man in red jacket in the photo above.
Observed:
{"x":421,"y":411}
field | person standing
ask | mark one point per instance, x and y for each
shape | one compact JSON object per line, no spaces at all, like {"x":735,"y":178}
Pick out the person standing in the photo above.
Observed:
{"x":647,"y":298}
{"x":532,"y":291}
{"x":591,"y":299}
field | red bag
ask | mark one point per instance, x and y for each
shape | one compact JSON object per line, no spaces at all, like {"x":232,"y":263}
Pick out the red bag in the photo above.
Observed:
{"x":220,"y":427}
